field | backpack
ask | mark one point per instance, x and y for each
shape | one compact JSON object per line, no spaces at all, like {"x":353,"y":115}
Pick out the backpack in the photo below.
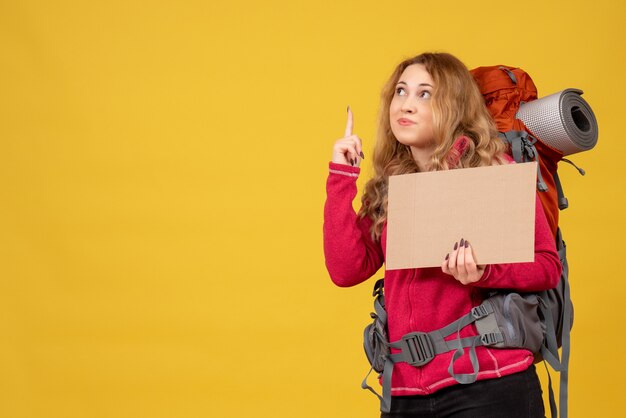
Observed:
{"x":545,"y":131}
{"x":539,"y":322}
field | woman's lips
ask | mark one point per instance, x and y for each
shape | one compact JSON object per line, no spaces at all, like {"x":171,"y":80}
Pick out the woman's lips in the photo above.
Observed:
{"x":405,"y":122}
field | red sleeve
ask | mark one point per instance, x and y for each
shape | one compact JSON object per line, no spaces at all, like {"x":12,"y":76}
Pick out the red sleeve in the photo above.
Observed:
{"x":351,"y":255}
{"x":541,"y":274}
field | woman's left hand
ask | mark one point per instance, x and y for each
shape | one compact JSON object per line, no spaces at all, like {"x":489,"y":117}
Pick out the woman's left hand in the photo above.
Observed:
{"x":460,"y":264}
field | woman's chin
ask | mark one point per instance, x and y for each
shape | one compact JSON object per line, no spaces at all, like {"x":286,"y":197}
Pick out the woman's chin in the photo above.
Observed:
{"x":413,"y":142}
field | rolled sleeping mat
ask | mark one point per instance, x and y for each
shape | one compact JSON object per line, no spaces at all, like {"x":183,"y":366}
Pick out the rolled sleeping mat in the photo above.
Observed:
{"x":562,"y":120}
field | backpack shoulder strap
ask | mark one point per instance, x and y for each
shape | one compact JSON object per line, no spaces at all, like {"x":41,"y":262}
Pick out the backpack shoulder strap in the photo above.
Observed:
{"x":523,"y":150}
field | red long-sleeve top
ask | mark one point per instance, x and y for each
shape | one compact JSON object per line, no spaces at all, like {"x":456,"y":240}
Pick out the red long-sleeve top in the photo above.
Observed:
{"x":426,"y":299}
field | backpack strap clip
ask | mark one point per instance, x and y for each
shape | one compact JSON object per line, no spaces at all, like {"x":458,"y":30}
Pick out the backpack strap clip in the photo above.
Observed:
{"x":481,"y":311}
{"x":492,"y":338}
{"x":417,"y":349}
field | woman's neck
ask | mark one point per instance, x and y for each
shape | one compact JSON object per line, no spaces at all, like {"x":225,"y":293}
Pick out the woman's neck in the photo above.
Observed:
{"x":422,"y":157}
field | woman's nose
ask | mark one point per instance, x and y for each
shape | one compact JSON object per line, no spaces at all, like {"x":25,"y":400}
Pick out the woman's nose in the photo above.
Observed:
{"x":408,"y":106}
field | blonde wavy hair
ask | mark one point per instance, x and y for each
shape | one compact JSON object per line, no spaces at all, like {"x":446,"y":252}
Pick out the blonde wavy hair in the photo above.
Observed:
{"x":458,"y":109}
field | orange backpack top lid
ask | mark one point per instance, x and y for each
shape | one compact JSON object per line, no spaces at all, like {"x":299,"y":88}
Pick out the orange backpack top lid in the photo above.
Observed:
{"x":504,"y":89}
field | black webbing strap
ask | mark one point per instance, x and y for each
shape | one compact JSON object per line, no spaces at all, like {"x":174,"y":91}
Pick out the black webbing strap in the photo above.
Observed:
{"x":562,"y":200}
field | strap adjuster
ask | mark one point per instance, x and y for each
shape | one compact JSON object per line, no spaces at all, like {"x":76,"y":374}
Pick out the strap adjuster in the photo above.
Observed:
{"x":479,"y":311}
{"x":418,"y":348}
{"x":491,"y":338}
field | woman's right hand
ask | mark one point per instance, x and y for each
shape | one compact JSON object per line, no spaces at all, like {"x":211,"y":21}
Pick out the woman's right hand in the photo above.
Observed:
{"x":348,"y":150}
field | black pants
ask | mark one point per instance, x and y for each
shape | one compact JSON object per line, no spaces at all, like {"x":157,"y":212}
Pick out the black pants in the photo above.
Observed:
{"x":514,"y":396}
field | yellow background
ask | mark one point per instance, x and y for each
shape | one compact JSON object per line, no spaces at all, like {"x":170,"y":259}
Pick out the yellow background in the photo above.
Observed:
{"x":162,"y":173}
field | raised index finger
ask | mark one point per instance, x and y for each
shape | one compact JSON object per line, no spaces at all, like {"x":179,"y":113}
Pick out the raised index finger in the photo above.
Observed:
{"x":349,"y":123}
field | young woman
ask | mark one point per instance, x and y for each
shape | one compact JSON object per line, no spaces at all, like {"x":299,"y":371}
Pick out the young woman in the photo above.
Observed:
{"x":433,"y":117}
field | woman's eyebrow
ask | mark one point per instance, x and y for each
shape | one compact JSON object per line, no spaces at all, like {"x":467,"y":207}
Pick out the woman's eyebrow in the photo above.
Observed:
{"x":419,"y":85}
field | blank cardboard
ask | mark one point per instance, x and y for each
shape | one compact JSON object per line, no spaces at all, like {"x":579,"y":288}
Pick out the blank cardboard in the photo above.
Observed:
{"x":491,"y":207}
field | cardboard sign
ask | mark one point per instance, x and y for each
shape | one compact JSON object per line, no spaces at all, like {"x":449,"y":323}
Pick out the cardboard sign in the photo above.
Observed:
{"x":491,"y":207}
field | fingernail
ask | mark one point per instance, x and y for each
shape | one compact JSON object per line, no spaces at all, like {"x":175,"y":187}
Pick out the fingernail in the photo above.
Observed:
{"x":348,"y":108}
{"x":362,"y":156}
{"x":456,"y":245}
{"x":462,"y":242}
{"x":466,"y":244}
{"x":447,"y":256}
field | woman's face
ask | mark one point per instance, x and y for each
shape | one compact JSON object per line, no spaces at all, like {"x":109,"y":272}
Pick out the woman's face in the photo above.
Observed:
{"x":410,"y":112}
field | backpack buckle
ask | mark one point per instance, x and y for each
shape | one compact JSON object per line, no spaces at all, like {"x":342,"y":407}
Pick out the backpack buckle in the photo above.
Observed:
{"x":418,"y":348}
{"x":479,"y":311}
{"x":491,"y":338}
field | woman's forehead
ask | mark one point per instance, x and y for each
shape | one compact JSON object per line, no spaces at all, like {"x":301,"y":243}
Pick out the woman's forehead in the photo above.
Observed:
{"x":414,"y":75}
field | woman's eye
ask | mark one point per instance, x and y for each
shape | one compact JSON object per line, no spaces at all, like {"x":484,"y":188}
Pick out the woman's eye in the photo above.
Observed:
{"x":399,"y":91}
{"x":425,"y":94}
